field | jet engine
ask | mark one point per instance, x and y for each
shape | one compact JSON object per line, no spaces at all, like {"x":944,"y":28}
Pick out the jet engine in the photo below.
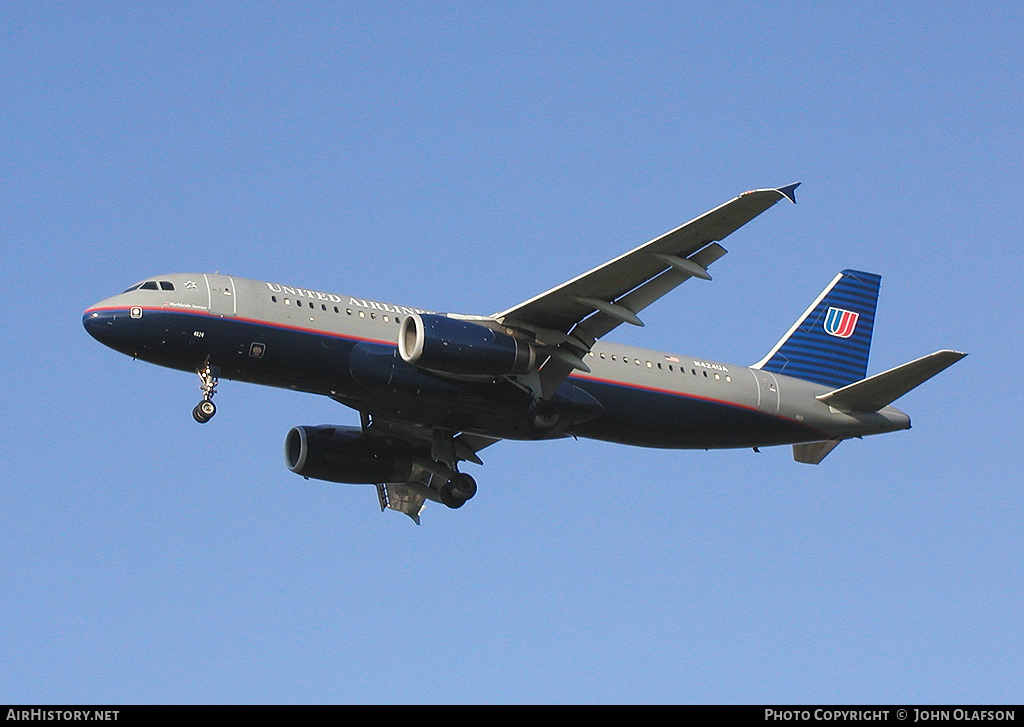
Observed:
{"x":455,"y":346}
{"x":344,"y":454}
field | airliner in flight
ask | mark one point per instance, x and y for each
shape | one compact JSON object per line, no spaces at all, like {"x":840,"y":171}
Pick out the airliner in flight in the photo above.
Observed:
{"x":433,"y":389}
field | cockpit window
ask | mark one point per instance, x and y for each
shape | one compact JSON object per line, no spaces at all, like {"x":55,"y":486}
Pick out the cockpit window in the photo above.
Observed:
{"x":152,"y":285}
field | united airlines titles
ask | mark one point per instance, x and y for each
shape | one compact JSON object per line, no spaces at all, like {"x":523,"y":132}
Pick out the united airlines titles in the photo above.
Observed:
{"x":332,"y":298}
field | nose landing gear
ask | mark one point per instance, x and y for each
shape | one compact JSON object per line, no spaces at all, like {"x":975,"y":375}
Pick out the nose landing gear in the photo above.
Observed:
{"x":205,"y":409}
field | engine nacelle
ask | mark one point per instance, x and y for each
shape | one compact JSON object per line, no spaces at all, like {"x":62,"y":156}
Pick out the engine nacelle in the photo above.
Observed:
{"x":344,"y":454}
{"x":455,"y":346}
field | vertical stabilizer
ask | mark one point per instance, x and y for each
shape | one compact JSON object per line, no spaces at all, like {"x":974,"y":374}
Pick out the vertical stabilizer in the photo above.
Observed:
{"x":830,"y":342}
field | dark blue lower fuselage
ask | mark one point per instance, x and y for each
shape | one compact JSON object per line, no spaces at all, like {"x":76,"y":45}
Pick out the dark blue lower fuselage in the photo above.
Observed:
{"x":370,"y":376}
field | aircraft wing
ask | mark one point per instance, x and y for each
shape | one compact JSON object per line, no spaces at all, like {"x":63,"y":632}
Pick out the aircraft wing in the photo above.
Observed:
{"x":566,"y":305}
{"x":569,"y":318}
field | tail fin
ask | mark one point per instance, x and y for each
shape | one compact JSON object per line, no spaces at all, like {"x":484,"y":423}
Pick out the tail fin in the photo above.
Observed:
{"x":829,"y":344}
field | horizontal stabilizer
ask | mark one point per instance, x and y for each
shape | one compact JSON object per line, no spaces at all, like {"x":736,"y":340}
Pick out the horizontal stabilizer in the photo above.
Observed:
{"x":875,"y":392}
{"x":814,"y":452}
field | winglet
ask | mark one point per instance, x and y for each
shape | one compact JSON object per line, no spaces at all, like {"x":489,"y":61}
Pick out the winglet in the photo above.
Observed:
{"x":789,"y":191}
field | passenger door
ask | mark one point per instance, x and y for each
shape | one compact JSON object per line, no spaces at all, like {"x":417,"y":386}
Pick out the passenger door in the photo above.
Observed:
{"x":221,"y":288}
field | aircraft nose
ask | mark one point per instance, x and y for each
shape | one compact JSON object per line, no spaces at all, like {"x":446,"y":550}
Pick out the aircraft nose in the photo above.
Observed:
{"x":99,"y":323}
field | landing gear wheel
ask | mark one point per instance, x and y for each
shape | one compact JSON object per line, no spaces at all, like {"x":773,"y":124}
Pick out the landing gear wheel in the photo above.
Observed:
{"x":541,"y":418}
{"x":457,"y":490}
{"x":204,"y":411}
{"x":450,"y":500}
{"x":462,"y":486}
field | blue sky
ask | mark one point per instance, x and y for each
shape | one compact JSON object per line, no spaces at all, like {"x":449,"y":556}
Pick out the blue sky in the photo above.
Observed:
{"x":464,"y":157}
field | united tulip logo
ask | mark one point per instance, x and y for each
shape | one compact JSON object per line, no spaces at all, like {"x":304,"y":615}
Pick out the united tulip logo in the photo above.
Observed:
{"x":841,"y":323}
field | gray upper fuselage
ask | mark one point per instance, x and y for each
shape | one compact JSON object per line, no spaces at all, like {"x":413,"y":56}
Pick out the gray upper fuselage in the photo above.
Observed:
{"x":300,"y":338}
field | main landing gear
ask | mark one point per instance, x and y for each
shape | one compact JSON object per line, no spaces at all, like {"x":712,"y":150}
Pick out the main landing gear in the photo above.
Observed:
{"x":455,"y":487}
{"x":459,"y":488}
{"x":205,"y":409}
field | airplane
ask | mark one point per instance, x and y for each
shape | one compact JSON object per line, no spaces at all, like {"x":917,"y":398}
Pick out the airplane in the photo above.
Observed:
{"x":434,"y":389}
